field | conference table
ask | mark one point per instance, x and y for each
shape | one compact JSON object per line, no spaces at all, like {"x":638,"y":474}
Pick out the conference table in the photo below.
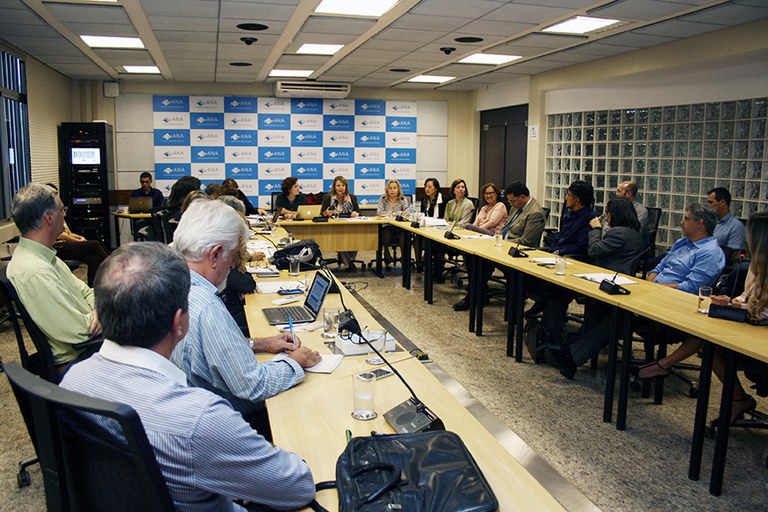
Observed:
{"x":661,"y":304}
{"x":132,"y":217}
{"x":311,"y":418}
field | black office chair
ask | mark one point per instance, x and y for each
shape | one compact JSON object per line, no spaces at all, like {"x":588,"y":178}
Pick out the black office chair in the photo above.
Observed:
{"x":274,"y":200}
{"x":654,"y":216}
{"x":94,"y":454}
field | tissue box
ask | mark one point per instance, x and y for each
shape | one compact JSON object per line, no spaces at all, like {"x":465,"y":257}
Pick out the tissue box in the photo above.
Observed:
{"x":355,"y":346}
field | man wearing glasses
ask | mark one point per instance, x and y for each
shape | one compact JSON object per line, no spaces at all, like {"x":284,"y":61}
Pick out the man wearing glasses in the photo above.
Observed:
{"x":147,"y":190}
{"x":59,"y":303}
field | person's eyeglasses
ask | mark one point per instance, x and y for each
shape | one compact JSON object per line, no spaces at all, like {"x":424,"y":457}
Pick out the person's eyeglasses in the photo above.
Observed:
{"x":491,"y":193}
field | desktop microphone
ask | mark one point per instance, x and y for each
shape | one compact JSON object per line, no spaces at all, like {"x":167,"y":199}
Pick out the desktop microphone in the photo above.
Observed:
{"x":449,"y":234}
{"x":515,"y":252}
{"x":410,"y":416}
{"x":611,"y":288}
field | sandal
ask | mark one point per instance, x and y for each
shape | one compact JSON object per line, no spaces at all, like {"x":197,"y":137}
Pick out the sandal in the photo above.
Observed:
{"x":742,"y":406}
{"x":651,"y":370}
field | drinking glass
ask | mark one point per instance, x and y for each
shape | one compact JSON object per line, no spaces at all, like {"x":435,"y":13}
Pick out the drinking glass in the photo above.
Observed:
{"x":499,"y":239}
{"x":705,"y":295}
{"x":379,"y":342}
{"x":294,"y":266}
{"x":330,"y":322}
{"x":363,"y":397}
{"x":559,"y":266}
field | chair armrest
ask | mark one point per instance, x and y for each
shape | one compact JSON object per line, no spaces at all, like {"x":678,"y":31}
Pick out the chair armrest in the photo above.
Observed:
{"x":93,"y":342}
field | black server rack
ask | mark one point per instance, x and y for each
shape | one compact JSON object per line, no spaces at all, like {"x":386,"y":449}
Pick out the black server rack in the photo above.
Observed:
{"x":86,"y":178}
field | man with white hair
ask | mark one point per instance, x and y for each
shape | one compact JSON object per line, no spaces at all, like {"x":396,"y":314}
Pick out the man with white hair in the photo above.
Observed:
{"x":214,"y":354}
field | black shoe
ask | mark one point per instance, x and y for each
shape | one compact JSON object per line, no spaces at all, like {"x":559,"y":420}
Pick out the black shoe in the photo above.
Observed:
{"x":462,"y":305}
{"x":563,"y":362}
{"x":536,"y":309}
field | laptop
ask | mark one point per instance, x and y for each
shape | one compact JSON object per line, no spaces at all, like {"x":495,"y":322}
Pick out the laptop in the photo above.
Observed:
{"x":306,"y":313}
{"x":308,"y":212}
{"x":139,"y":204}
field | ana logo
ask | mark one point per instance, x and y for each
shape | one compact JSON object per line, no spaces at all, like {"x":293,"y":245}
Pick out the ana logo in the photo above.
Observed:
{"x":241,"y":136}
{"x":370,"y":138}
{"x":307,"y":154}
{"x":173,"y":154}
{"x":238,"y":120}
{"x":171,"y":170}
{"x":172,"y":120}
{"x":400,"y":140}
{"x":365,"y":170}
{"x":205,"y":170}
{"x":276,"y":154}
{"x":209,"y":153}
{"x":369,"y":155}
{"x":307,"y":122}
{"x":271,"y":104}
{"x":404,"y":107}
{"x":241,"y":154}
{"x":398,"y":170}
{"x":365,"y":201}
{"x":366,"y":187}
{"x":334,"y":170}
{"x":336,"y":105}
{"x":339,"y":154}
{"x":207,"y":136}
{"x":274,"y":138}
{"x":167,"y":102}
{"x":269,"y":186}
{"x":169,"y":136}
{"x":206,"y":103}
{"x":364,"y":106}
{"x":234,"y":103}
{"x":397,"y":124}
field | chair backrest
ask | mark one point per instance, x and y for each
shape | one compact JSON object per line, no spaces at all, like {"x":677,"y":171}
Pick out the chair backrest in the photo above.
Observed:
{"x":547,"y":211}
{"x":40,"y":363}
{"x":274,"y":200}
{"x":163,"y":225}
{"x":654,"y":216}
{"x":476,"y":203}
{"x":94,"y":454}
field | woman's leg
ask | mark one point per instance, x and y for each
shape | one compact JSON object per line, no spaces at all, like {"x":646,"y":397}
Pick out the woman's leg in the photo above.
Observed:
{"x":687,"y":348}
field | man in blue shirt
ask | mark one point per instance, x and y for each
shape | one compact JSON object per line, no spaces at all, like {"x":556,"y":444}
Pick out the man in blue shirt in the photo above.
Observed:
{"x":147,"y":190}
{"x":730,"y":231}
{"x":214,"y":354}
{"x":207,"y":453}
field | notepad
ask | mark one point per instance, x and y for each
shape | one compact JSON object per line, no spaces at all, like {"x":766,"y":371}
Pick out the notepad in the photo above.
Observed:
{"x":270,"y":271}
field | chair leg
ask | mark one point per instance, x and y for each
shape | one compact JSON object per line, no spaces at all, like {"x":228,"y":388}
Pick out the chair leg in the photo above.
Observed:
{"x":22,"y":477}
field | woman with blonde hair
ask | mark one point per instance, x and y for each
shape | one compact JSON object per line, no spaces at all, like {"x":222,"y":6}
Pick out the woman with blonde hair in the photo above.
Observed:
{"x":391,"y":204}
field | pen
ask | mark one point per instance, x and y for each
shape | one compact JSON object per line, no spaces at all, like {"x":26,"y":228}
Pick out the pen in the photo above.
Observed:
{"x":290,"y":328}
{"x":349,"y":435}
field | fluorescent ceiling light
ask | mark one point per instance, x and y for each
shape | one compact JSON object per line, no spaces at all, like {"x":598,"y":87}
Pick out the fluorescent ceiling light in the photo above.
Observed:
{"x":371,"y":8}
{"x":431,"y":79}
{"x":489,"y":58}
{"x":112,"y":42}
{"x":292,"y":73}
{"x":146,"y":70}
{"x":581,"y":25}
{"x":320,"y":49}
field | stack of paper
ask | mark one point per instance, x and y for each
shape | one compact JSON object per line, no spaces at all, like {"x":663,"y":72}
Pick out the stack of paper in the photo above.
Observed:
{"x":270,"y":271}
{"x":355,"y":346}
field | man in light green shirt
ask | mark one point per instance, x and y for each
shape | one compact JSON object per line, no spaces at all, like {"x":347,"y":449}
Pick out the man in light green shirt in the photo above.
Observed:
{"x":59,"y":303}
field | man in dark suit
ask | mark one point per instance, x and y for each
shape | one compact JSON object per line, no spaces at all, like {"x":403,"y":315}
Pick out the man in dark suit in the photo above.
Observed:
{"x":526,"y":221}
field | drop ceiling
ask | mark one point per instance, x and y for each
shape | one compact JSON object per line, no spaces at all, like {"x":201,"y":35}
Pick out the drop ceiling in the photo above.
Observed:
{"x":198,"y":40}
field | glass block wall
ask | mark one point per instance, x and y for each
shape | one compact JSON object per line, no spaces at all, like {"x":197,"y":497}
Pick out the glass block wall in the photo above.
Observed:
{"x":676,"y":154}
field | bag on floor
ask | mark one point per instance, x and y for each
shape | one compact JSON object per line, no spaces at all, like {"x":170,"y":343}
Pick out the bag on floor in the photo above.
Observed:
{"x":424,"y":472}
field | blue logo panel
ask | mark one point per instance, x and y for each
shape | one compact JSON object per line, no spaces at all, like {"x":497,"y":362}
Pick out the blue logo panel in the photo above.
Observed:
{"x":242,"y":171}
{"x":370,"y":139}
{"x":338,"y":123}
{"x":170,"y":103}
{"x":306,"y":138}
{"x":241,"y":105}
{"x":338,"y":156}
{"x":370,"y":107}
{"x":306,"y":106}
{"x":171,"y":137}
{"x":171,"y":171}
{"x":307,"y":171}
{"x":408,"y":186}
{"x":401,"y":124}
{"x":369,"y":171}
{"x":274,"y":121}
{"x":206,"y":120}
{"x":202,"y":154}
{"x":274,"y":155}
{"x":241,"y":138}
{"x":266,"y":187}
{"x":401,"y":156}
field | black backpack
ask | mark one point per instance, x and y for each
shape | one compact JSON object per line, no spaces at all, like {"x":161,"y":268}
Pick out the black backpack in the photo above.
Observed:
{"x":307,"y":251}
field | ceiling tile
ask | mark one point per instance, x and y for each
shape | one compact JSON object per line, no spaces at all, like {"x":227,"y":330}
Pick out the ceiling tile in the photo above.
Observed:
{"x":676,"y":28}
{"x":637,"y":10}
{"x":331,"y":25}
{"x":256,"y":12}
{"x":636,"y":40}
{"x":96,"y":14}
{"x":477,"y":8}
{"x":189,"y":23}
{"x":181,"y":8}
{"x":129,"y":57}
{"x":489,"y":28}
{"x":526,"y":13}
{"x":423,"y":22}
{"x":394,"y":34}
{"x":729,"y":14}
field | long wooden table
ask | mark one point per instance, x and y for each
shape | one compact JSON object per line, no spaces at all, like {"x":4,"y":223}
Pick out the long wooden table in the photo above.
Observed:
{"x":311,"y":418}
{"x":656,"y":302}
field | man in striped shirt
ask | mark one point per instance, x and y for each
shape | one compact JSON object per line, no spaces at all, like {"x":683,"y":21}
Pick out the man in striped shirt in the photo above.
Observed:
{"x":207,"y":453}
{"x":215,"y":355}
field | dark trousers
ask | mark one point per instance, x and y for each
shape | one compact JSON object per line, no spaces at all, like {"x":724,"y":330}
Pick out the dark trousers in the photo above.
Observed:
{"x":90,"y":252}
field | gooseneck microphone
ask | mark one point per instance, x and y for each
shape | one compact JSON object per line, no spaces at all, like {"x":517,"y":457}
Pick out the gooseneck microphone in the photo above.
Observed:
{"x":409,"y":416}
{"x":515,"y":251}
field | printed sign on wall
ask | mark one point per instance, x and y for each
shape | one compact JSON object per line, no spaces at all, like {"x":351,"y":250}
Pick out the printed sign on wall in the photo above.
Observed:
{"x":261,"y":141}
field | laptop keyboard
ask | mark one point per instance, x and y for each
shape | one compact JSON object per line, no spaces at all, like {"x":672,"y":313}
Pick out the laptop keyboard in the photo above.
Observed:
{"x":297,"y":313}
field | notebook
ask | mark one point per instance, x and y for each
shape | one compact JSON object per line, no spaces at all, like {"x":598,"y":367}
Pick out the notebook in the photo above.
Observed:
{"x":308,"y":212}
{"x":306,"y":313}
{"x":139,"y":204}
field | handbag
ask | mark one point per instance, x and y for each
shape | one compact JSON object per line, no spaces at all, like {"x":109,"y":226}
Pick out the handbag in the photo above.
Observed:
{"x":728,"y":313}
{"x":422,"y":472}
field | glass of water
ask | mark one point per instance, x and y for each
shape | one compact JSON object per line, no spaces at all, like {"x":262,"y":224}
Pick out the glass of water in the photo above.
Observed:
{"x":330,"y":322}
{"x":705,"y":296}
{"x":363,"y":398}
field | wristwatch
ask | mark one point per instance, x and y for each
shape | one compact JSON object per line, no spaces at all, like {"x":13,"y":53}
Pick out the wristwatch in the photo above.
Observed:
{"x":250,"y":343}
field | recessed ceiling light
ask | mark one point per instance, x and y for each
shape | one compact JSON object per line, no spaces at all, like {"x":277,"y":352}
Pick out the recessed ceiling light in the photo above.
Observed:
{"x":252,"y":26}
{"x":492,"y":59}
{"x":320,"y":49}
{"x":581,"y":25}
{"x":112,"y":42}
{"x":431,"y":79}
{"x":399,"y":70}
{"x":469,"y":39}
{"x":291,"y":73}
{"x":373,"y":8}
{"x":240,"y":64}
{"x":146,"y":70}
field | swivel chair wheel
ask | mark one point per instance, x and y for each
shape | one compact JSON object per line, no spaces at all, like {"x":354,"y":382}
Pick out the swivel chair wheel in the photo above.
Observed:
{"x":23,"y":479}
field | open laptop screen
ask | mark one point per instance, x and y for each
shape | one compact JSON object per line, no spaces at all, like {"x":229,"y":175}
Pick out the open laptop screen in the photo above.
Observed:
{"x":317,"y":292}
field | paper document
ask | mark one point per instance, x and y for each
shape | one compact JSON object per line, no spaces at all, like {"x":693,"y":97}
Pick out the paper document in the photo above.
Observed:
{"x":354,"y":346}
{"x":275,"y":286}
{"x":435,"y":223}
{"x":328,"y":362}
{"x":270,"y":271}
{"x":548,"y":261}
{"x":474,"y":237}
{"x":598,"y":278}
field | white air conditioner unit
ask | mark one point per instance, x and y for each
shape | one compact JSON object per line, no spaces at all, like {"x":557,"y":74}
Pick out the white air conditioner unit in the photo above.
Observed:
{"x":295,"y":89}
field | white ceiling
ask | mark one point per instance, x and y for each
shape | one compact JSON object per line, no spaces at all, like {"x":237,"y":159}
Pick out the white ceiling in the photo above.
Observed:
{"x":197,"y":40}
